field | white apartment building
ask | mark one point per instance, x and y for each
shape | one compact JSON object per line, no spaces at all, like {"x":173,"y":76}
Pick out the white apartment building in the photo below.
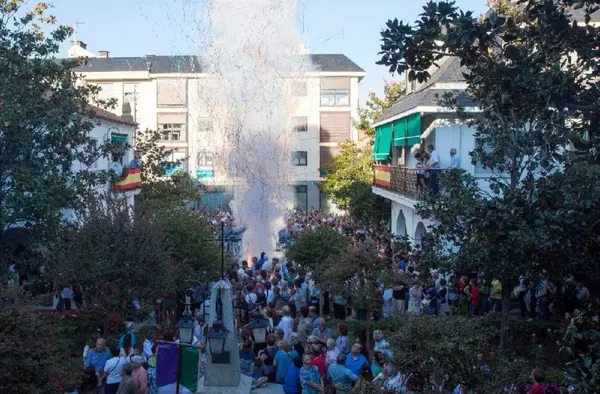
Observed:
{"x":162,"y":93}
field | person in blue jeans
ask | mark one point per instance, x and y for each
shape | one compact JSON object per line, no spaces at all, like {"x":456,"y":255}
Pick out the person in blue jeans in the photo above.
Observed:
{"x":292,"y":378}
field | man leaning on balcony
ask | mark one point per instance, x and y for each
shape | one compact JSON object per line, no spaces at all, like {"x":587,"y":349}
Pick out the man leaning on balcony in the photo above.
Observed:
{"x":432,"y":167}
{"x":454,"y":160}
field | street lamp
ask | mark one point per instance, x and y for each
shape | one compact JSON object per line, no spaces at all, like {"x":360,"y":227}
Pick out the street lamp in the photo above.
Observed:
{"x":217,"y":336}
{"x":217,"y":339}
{"x":185,"y":326}
{"x":259,"y":329}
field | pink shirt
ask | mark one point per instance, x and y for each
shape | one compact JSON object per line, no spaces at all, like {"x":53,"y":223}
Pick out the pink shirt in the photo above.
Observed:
{"x":140,"y":377}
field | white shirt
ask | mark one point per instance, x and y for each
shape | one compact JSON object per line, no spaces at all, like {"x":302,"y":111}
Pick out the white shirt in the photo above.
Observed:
{"x":455,"y":162}
{"x":113,"y":368}
{"x":286,"y":325}
{"x":434,"y":158}
{"x":147,"y":348}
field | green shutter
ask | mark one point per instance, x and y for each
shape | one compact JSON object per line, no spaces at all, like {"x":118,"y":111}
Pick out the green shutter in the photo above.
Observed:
{"x":383,"y":142}
{"x":118,"y":138}
{"x":400,"y":132}
{"x":376,"y":143}
{"x":413,"y":125}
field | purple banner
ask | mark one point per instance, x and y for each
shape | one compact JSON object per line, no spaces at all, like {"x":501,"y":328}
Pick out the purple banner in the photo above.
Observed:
{"x":167,"y":358}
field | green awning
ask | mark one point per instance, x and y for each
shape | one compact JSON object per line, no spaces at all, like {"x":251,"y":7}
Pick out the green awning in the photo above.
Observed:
{"x":383,"y":142}
{"x":407,"y":130}
{"x":118,"y":138}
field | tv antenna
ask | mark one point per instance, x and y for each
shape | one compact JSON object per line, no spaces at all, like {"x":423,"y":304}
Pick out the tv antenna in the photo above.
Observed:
{"x":77,"y":24}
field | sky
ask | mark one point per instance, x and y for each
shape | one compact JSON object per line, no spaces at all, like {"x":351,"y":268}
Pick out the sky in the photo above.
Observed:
{"x":168,"y":27}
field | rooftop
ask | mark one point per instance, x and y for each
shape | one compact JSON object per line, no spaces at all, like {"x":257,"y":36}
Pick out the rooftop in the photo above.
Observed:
{"x":191,"y":64}
{"x":99,"y":113}
{"x":450,"y":71}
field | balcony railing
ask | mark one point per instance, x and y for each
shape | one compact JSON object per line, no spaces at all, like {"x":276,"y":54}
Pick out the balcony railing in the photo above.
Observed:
{"x":411,"y":182}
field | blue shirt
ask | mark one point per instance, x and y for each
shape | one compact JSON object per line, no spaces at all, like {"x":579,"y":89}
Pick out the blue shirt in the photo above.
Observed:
{"x":97,"y":360}
{"x":355,"y":365}
{"x":339,"y":374}
{"x":284,"y":360}
{"x":455,"y":161}
{"x":309,"y":374}
{"x":292,"y":380}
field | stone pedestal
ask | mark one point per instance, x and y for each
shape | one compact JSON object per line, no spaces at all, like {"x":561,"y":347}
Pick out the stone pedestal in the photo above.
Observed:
{"x":224,"y":378}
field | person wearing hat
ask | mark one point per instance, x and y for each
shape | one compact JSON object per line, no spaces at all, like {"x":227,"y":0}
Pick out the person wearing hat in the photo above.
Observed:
{"x":140,"y":376}
{"x":127,"y":385}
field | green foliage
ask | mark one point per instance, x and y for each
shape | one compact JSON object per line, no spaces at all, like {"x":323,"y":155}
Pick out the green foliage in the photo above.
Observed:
{"x":158,"y":190}
{"x":581,"y":343}
{"x":375,"y":106}
{"x":356,"y":276}
{"x":32,"y":362}
{"x":44,"y":122}
{"x":530,"y":69}
{"x":349,"y":179}
{"x":313,"y":249}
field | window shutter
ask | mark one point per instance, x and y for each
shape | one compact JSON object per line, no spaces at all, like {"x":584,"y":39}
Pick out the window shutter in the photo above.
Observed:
{"x":172,"y":92}
{"x":335,"y":126}
{"x":335,"y":83}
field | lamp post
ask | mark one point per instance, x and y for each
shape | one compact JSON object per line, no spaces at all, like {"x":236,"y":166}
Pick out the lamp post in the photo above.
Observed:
{"x":217,"y":336}
{"x":259,"y":328}
{"x":185,"y":328}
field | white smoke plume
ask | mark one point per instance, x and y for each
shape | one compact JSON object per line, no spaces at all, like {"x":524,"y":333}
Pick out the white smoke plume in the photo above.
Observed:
{"x":250,"y":50}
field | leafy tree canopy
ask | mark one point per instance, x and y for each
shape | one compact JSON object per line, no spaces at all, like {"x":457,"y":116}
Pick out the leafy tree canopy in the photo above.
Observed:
{"x":312,"y":249}
{"x":349,"y":179}
{"x":375,"y":106}
{"x":531,"y":70}
{"x":44,"y":122}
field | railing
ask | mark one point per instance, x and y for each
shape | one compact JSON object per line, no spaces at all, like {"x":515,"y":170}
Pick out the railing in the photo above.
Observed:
{"x":408,"y":182}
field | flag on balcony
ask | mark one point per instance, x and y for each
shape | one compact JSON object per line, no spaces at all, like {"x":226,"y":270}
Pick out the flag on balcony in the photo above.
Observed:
{"x":383,"y":176}
{"x":167,"y":362}
{"x":131,"y":179}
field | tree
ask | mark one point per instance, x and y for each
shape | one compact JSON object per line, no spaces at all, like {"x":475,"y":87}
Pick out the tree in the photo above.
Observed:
{"x":349,"y":179}
{"x":531,"y":71}
{"x":158,"y":190}
{"x":44,"y":122}
{"x":375,"y":106}
{"x":312,"y":250}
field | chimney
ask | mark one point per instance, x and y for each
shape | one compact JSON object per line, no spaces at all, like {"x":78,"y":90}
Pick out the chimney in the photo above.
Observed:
{"x":103,"y":54}
{"x":80,"y":44}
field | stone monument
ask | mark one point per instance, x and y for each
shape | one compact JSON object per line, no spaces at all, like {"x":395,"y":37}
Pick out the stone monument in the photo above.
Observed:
{"x":221,"y":377}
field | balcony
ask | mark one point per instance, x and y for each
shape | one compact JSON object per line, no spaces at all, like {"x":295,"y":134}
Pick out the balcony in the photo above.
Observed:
{"x":400,"y":180}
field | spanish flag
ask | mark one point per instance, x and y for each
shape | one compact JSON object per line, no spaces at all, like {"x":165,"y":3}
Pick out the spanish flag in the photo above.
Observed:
{"x":131,"y":179}
{"x":383,"y":176}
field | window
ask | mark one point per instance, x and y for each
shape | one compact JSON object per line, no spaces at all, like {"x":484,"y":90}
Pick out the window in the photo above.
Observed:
{"x":300,"y":158}
{"x":130,"y":99}
{"x":171,"y":92}
{"x":299,"y":89}
{"x":172,"y":132}
{"x":301,"y":197}
{"x":205,"y":125}
{"x":205,"y":158}
{"x":119,"y":142}
{"x":335,"y":97}
{"x":299,"y":123}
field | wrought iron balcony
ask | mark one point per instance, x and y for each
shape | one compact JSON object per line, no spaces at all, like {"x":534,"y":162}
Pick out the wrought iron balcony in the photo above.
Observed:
{"x":410,"y":182}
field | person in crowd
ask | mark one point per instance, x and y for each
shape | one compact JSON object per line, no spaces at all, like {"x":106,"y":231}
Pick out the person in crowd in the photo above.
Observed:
{"x":151,"y":363}
{"x":495,"y":303}
{"x":305,"y":326}
{"x":355,"y":360}
{"x":431,"y":168}
{"x":267,"y":355}
{"x":90,"y":344}
{"x":89,"y":381}
{"x":313,"y":313}
{"x":332,"y":352}
{"x":472,"y":293}
{"x":286,"y":324}
{"x":140,"y":375}
{"x":416,"y":297}
{"x":292,"y":383}
{"x":127,"y":385}
{"x":296,"y":344}
{"x":442,"y":298}
{"x":342,"y":378}
{"x":342,"y":342}
{"x":66,"y":296}
{"x":112,"y":371}
{"x":283,"y":359}
{"x":98,"y":357}
{"x":381,"y":345}
{"x":538,"y":376}
{"x":317,"y":358}
{"x":202,"y":358}
{"x":310,"y":378}
{"x":322,"y":333}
